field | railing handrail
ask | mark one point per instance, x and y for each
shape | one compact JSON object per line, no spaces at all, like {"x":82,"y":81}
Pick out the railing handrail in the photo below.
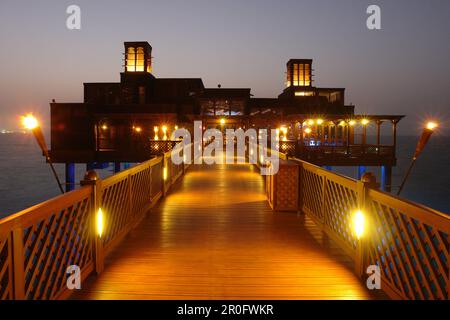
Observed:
{"x":431,"y":215}
{"x":39,"y":210}
{"x":124,"y":173}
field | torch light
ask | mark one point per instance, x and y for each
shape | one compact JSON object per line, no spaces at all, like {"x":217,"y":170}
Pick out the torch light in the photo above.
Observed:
{"x":426,"y":135}
{"x":31,"y":123}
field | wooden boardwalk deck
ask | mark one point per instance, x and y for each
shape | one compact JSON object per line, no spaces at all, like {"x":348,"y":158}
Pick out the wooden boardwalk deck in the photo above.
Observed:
{"x":215,"y":237}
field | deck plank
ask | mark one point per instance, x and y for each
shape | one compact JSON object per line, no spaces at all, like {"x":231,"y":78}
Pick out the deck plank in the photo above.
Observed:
{"x":215,"y":237}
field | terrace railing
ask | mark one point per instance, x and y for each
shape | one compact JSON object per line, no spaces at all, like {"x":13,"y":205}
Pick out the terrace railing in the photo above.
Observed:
{"x":37,"y":245}
{"x":332,"y":152}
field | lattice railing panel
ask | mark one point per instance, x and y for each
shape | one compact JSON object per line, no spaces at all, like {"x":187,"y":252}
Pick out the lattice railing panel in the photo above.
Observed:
{"x":175,"y":170}
{"x":6,"y":268}
{"x":52,"y":244}
{"x":116,"y":205}
{"x":157,"y":176}
{"x":141,"y":191}
{"x":311,"y":192}
{"x":413,"y":254}
{"x":340,"y":203}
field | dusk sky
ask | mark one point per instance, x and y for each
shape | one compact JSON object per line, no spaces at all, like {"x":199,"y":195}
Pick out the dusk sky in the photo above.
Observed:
{"x":402,"y":69}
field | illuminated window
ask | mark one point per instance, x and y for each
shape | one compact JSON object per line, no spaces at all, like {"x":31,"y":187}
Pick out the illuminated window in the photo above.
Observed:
{"x":307,"y":73}
{"x":288,"y":79}
{"x":295,"y":74}
{"x":140,"y":59}
{"x":301,"y":74}
{"x":135,"y":59}
{"x":303,"y":94}
{"x":131,"y":59}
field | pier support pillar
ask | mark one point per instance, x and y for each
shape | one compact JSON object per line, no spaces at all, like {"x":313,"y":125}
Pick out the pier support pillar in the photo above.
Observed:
{"x":361,"y":171}
{"x":116,"y":167}
{"x":386,"y":178}
{"x":70,"y":177}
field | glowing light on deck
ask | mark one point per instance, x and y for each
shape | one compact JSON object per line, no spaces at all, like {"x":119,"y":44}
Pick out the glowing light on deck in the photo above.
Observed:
{"x":319,"y":121}
{"x":104,"y":127}
{"x":138,"y":129}
{"x":308,"y":130}
{"x":352,"y":122}
{"x":222,"y":121}
{"x":365,"y":122}
{"x":358,"y":224}
{"x":29,"y":122}
{"x":311,"y":122}
{"x":100,"y":222}
{"x":165,"y":173}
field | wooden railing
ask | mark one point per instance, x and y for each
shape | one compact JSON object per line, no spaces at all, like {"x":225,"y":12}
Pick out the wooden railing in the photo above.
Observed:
{"x":408,"y":241}
{"x":38,"y":244}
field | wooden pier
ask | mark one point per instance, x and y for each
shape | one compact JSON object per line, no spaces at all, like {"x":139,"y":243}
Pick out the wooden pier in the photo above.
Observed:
{"x":215,"y":237}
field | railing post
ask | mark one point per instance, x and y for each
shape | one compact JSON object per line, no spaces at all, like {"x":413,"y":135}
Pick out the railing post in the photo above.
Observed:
{"x":18,"y":262}
{"x":367,"y":182}
{"x":92,"y":179}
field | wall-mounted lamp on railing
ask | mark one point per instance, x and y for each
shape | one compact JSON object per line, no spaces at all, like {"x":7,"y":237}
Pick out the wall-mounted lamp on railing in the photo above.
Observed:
{"x":165,"y":173}
{"x":32,"y":124}
{"x":358,"y":221}
{"x":428,"y":131}
{"x":100,"y":222}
